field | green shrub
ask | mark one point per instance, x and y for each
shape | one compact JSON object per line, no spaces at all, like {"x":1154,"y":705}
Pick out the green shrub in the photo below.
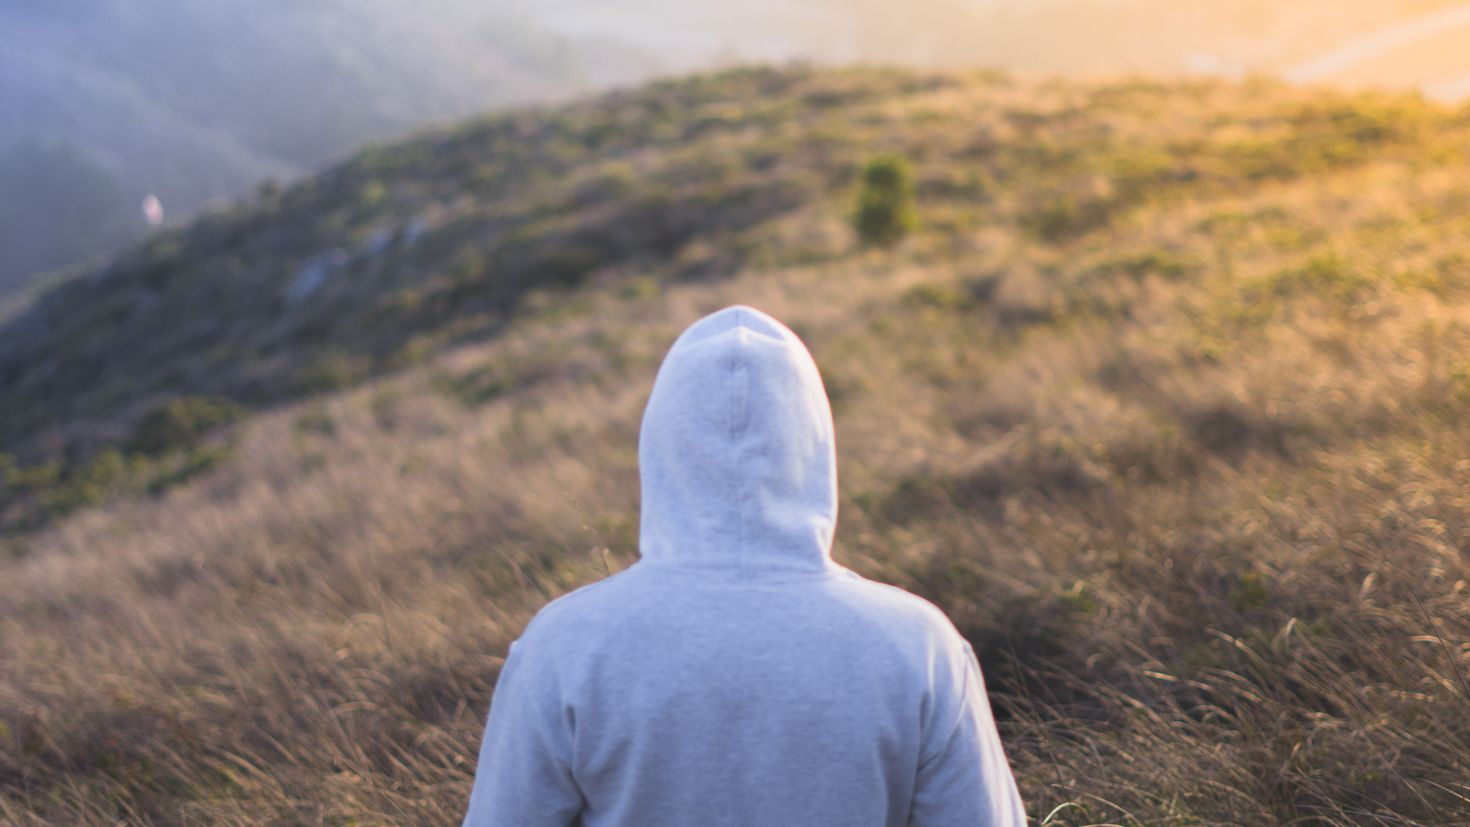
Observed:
{"x":194,"y":462}
{"x":24,"y":480}
{"x":489,"y":381}
{"x":1079,"y":598}
{"x":34,"y":496}
{"x":1249,"y":591}
{"x":885,"y":206}
{"x":1327,"y":275}
{"x":372,"y":194}
{"x":330,"y":371}
{"x":87,"y":485}
{"x":943,"y":296}
{"x":181,"y":423}
{"x":1067,"y":216}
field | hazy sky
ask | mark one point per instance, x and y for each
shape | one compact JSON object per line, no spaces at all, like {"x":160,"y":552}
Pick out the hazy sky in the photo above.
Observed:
{"x":1360,"y":42}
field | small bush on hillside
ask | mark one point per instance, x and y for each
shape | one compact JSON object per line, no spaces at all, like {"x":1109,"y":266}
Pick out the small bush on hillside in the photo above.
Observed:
{"x":885,"y":207}
{"x":86,"y":485}
{"x":181,"y":423}
{"x":329,"y":371}
{"x":191,"y":464}
{"x":490,"y":381}
{"x":41,"y":495}
{"x":944,"y":296}
{"x":1070,"y":215}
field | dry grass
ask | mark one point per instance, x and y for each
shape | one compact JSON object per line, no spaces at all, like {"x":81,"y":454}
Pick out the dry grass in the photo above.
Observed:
{"x":1192,"y":478}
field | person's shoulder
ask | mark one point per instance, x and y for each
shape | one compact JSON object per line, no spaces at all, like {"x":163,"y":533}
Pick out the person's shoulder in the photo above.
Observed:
{"x":900,"y":608}
{"x":571,"y":612}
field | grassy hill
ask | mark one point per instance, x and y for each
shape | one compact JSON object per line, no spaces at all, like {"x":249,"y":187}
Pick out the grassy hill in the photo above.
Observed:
{"x":130,"y":99}
{"x":1163,"y":403}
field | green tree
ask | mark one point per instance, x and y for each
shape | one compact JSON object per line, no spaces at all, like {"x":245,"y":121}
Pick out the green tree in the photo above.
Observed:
{"x":885,"y":204}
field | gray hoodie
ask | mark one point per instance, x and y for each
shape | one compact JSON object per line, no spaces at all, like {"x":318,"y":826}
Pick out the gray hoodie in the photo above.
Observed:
{"x":736,"y":675}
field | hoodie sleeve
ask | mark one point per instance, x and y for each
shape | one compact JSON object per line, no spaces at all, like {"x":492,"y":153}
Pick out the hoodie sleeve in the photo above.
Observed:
{"x":524,"y":776}
{"x":963,"y":775}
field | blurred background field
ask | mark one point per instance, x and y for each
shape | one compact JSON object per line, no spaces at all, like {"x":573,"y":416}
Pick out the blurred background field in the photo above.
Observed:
{"x":1155,"y":385}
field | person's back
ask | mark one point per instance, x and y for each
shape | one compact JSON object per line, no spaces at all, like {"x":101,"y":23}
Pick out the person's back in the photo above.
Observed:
{"x":736,"y":675}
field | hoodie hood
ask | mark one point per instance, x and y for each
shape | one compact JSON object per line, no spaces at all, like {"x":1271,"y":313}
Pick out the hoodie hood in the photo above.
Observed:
{"x":736,"y":454}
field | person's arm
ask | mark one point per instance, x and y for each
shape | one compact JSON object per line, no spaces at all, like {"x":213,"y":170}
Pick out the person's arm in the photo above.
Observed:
{"x":964,"y":778}
{"x":524,"y":776}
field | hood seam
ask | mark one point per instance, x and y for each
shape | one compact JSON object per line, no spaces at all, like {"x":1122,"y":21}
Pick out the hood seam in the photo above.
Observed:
{"x":742,"y":561}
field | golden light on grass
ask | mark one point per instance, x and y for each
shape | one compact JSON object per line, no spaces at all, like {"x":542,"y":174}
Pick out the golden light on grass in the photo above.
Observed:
{"x":1182,"y":452}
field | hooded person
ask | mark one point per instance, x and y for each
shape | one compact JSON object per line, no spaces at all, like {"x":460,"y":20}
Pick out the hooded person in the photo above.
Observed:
{"x":735,"y":674}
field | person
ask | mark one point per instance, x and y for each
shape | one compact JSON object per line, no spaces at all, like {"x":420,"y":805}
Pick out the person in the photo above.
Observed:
{"x":735,"y":674}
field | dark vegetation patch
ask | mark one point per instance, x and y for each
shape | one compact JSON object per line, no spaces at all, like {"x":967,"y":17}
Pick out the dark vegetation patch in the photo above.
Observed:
{"x":171,"y":444}
{"x":315,"y":287}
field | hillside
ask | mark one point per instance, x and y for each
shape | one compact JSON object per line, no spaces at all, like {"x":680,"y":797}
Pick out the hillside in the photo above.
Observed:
{"x":104,"y":102}
{"x":139,"y":96}
{"x":1163,"y":403}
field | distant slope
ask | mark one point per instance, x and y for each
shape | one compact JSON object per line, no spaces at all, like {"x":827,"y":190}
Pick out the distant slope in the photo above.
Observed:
{"x":199,"y":101}
{"x":347,"y":273}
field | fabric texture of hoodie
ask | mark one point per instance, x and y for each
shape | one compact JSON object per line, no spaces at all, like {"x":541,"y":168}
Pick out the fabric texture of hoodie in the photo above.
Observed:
{"x":737,"y":675}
